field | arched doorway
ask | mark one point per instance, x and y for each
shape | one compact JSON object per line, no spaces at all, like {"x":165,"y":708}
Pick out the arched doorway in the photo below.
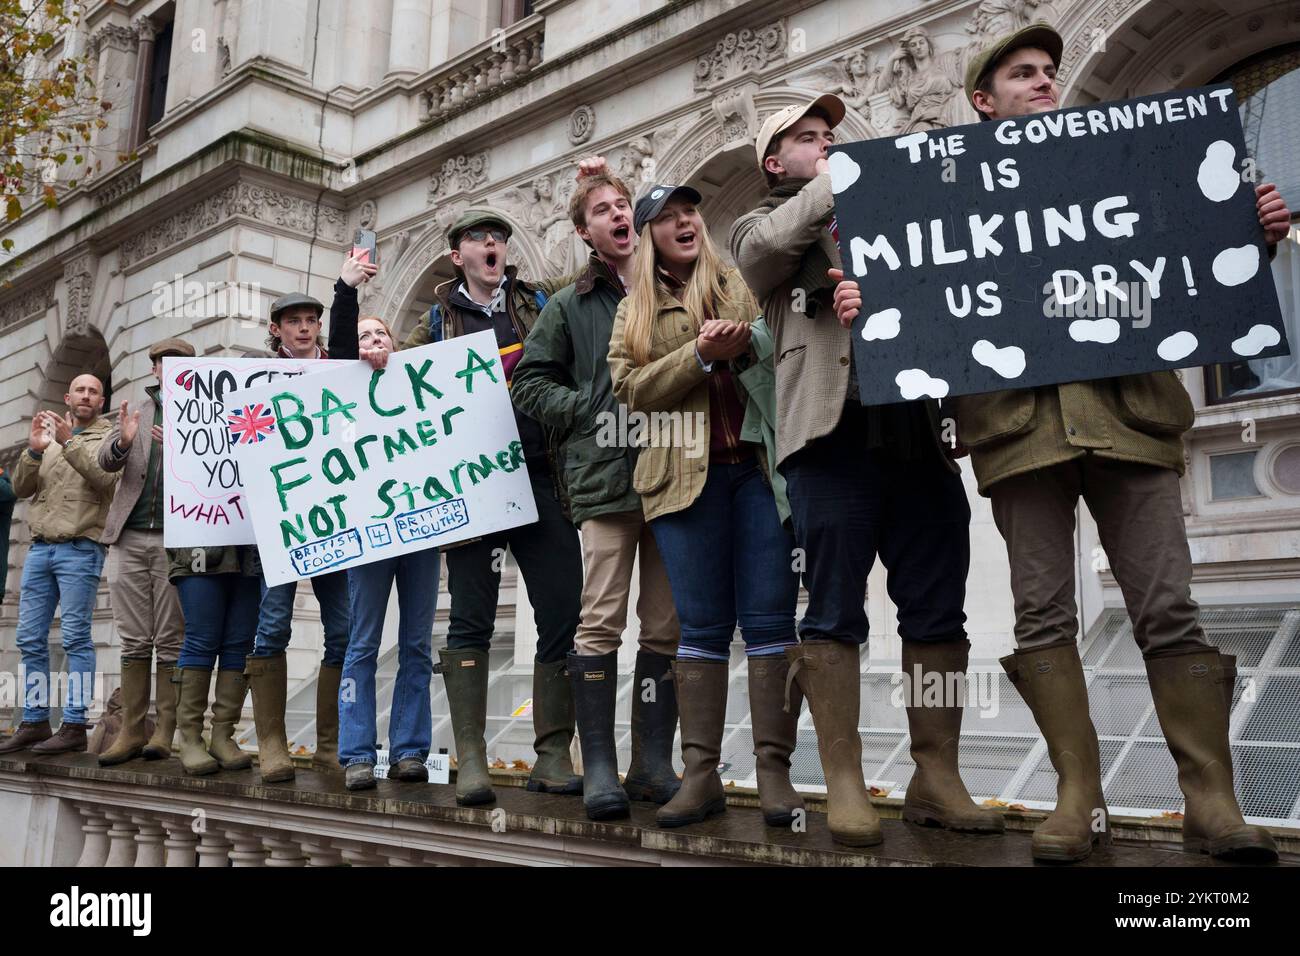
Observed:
{"x":417,"y":305}
{"x":76,"y":355}
{"x":731,"y":186}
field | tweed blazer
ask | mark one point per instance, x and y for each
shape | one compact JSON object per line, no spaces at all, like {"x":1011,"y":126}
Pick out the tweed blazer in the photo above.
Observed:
{"x":782,"y":254}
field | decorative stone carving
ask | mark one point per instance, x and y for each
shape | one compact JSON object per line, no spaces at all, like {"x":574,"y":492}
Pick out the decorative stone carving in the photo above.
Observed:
{"x":854,"y":77}
{"x":250,"y":200}
{"x":118,"y":186}
{"x":145,"y":29}
{"x":740,"y":104}
{"x":924,"y":86}
{"x":582,"y":124}
{"x":746,"y":51}
{"x":462,"y":173}
{"x":223,"y":55}
{"x":542,"y":206}
{"x":1084,"y":40}
{"x":79,"y":275}
{"x":32,"y":302}
{"x":112,"y":35}
{"x":728,"y":132}
{"x":368,"y":214}
{"x":636,"y":164}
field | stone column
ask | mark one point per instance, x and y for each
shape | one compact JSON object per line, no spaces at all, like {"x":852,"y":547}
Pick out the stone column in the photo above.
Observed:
{"x":320,"y":852}
{"x":121,"y":850}
{"x":360,"y":855}
{"x":181,"y":842}
{"x":284,"y":851}
{"x":408,"y":47}
{"x":149,"y":850}
{"x":213,"y":850}
{"x":94,"y":851}
{"x":247,"y":850}
{"x":146,"y":32}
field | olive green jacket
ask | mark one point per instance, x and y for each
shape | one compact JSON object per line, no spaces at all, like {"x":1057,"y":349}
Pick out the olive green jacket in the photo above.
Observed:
{"x":1137,"y":418}
{"x":71,"y":492}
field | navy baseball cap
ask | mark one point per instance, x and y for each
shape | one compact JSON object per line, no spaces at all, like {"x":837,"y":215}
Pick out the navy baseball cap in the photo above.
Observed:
{"x":649,"y":205}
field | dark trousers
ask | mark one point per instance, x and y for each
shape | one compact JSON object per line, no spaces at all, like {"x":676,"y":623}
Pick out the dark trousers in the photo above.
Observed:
{"x":549,"y":556}
{"x":850,"y":504}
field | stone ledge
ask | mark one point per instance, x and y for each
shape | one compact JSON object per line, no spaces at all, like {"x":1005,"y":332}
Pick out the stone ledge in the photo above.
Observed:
{"x":535,"y":828}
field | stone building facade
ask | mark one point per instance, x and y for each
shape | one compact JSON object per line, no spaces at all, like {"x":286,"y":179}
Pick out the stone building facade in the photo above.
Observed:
{"x":271,"y":130}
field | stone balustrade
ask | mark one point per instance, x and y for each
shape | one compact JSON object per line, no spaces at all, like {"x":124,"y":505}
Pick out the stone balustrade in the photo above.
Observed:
{"x":68,"y":810}
{"x":496,"y":62}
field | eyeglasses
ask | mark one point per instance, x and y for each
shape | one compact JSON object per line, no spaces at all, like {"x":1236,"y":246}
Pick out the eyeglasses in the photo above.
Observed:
{"x":480,"y":235}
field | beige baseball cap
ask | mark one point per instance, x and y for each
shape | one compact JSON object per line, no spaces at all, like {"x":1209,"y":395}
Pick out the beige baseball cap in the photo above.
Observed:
{"x":782,"y":120}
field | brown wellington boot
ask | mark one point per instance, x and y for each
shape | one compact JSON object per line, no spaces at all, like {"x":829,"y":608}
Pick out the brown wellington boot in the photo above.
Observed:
{"x":70,"y":738}
{"x":1193,"y":695}
{"x":936,"y":795}
{"x":702,"y":708}
{"x":268,"y":679}
{"x":326,"y":757}
{"x":227,"y":705}
{"x":775,"y":735}
{"x":159,"y":746}
{"x":1050,"y":679}
{"x":828,"y":674}
{"x":191,"y":704}
{"x":131,"y":739}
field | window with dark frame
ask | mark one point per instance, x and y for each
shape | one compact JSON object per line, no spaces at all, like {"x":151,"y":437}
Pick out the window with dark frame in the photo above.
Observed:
{"x":159,"y":69}
{"x":1268,"y":92}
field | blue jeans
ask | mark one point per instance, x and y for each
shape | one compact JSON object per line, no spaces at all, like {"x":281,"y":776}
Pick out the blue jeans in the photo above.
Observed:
{"x":63,"y":575}
{"x":410,"y":721}
{"x":275,"y":618}
{"x":220,"y":619}
{"x":728,"y":558}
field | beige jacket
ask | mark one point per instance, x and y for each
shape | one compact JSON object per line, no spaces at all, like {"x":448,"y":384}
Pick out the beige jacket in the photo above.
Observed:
{"x":667,"y":476}
{"x":782,"y":255}
{"x":72,"y":492}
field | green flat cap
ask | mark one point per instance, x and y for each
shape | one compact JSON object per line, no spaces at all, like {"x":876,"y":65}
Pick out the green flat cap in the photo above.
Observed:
{"x":291,"y":300}
{"x":475,"y":217}
{"x":170,"y":347}
{"x":1038,"y":34}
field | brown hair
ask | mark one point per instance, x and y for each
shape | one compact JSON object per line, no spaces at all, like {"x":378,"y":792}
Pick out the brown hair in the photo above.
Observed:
{"x":588,"y":185}
{"x":775,"y":144}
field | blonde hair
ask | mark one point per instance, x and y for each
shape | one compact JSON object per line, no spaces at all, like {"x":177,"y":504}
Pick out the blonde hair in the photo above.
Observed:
{"x":703,"y":296}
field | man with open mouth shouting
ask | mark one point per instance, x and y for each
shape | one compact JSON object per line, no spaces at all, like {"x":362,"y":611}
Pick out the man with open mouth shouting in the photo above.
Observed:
{"x":487,"y":294}
{"x":564,"y":381}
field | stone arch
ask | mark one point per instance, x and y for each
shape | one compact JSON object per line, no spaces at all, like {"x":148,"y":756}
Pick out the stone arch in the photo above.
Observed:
{"x":75,"y":354}
{"x":1150,"y":47}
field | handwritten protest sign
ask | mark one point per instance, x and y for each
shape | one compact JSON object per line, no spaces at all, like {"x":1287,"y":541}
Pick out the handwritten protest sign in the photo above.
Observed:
{"x":203,"y":484}
{"x":1082,"y":243}
{"x":361,"y":465}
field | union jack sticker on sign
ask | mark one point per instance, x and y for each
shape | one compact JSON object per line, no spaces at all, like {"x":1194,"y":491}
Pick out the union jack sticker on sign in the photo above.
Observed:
{"x":250,"y":424}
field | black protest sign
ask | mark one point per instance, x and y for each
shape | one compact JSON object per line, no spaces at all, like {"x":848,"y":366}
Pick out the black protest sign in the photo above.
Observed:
{"x":1083,"y":243}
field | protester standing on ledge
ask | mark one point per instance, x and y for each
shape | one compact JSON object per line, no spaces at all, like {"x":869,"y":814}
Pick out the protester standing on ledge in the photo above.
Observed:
{"x":295,"y":328}
{"x":146,"y":609}
{"x":60,"y":470}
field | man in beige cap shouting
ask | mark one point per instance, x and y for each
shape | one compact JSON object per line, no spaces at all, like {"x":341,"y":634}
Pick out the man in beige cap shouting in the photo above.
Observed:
{"x":146,"y":611}
{"x":1117,"y":443}
{"x":862,"y":482}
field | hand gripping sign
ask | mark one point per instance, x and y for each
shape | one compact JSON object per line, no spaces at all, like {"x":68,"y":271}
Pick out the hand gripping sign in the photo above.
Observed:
{"x":360,"y":465}
{"x":1056,"y":247}
{"x":205,"y":504}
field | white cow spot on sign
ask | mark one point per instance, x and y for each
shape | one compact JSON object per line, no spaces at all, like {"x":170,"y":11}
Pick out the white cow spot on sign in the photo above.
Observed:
{"x":914,"y":383}
{"x":1217,"y":175}
{"x":844,"y":172}
{"x":1177,"y":346}
{"x":1104,"y":331}
{"x":881,"y":325}
{"x":1008,"y":362}
{"x":1256,"y":340}
{"x":1236,"y":265}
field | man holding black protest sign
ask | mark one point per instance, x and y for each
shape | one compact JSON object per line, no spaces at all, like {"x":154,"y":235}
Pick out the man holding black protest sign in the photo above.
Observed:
{"x":1117,"y":443}
{"x":861,"y":481}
